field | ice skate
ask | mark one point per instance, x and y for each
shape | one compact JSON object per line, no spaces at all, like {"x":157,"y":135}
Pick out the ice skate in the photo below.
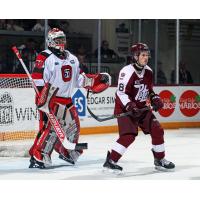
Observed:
{"x":36,"y":164}
{"x":163,"y":165}
{"x":40,"y":160}
{"x":111,"y":166}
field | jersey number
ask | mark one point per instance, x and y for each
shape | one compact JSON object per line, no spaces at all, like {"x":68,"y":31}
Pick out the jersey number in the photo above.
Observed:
{"x":66,"y":73}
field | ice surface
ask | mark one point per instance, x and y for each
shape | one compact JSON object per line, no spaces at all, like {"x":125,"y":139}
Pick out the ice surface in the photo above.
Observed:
{"x":182,"y":148}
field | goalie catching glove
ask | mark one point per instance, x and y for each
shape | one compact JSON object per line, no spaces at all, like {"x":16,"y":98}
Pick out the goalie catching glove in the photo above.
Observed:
{"x":97,"y":82}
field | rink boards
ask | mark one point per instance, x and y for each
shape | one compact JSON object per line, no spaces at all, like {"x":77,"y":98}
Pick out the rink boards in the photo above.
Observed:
{"x":18,"y":111}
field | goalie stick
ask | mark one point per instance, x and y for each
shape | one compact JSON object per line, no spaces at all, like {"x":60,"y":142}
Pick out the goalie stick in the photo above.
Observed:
{"x":52,"y":118}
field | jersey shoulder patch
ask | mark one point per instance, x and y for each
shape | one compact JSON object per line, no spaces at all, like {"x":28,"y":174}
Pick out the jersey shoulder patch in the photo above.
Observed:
{"x":41,"y":57}
{"x":72,"y":58}
{"x":126,"y":70}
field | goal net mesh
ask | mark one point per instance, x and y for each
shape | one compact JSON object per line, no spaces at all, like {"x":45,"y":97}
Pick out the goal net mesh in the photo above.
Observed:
{"x":18,"y":115}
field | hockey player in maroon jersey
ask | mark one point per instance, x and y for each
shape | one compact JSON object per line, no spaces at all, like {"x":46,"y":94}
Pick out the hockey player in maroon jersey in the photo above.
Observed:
{"x":56,"y":74}
{"x":135,"y":86}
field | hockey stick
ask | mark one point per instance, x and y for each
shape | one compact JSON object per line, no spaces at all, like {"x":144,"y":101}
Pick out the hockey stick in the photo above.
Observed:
{"x":52,"y":118}
{"x":130,"y":113}
{"x":112,"y":116}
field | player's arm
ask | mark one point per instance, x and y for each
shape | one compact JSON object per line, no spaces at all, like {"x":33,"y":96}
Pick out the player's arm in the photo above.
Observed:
{"x":40,"y":76}
{"x":124,"y":89}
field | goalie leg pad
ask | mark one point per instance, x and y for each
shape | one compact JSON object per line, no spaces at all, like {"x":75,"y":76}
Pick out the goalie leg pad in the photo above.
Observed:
{"x":46,"y":98}
{"x":69,"y":120}
{"x":44,"y":146}
{"x":71,"y":125}
{"x":42,"y":121}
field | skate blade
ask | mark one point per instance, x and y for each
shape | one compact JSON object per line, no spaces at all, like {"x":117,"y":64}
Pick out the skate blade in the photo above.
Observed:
{"x":112,"y":171}
{"x":162,"y":169}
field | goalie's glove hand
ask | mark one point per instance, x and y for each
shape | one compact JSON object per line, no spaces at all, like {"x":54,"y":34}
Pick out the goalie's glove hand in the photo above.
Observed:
{"x":156,"y":102}
{"x":131,"y":106}
{"x":104,"y":78}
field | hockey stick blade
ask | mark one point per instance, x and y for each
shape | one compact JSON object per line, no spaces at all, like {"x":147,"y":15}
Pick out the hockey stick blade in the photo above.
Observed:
{"x":109,"y":118}
{"x":81,"y":146}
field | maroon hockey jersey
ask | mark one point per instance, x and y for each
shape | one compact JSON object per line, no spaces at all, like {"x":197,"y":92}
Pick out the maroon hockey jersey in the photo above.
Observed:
{"x":133,"y":86}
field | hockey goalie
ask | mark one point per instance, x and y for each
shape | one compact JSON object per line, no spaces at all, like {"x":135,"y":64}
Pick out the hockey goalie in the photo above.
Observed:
{"x":56,"y":74}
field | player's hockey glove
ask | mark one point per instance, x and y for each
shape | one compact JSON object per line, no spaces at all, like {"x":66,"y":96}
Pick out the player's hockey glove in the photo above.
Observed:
{"x":156,"y":102}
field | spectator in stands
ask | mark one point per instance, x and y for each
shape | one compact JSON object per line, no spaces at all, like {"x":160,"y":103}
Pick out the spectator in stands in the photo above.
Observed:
{"x":64,"y":26}
{"x":82,"y":64}
{"x":6,"y":61}
{"x":161,"y":78}
{"x":81,"y":50}
{"x":3,"y":25}
{"x":39,"y":26}
{"x":13,"y":26}
{"x":184,"y":75}
{"x":106,"y":52}
{"x":122,"y":28}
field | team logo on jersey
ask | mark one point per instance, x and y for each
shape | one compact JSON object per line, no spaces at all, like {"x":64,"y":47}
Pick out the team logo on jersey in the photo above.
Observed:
{"x":80,"y":103}
{"x":66,"y":73}
{"x":143,"y":92}
{"x":56,"y":63}
{"x":39,"y":63}
{"x":72,"y":61}
{"x":123,"y":74}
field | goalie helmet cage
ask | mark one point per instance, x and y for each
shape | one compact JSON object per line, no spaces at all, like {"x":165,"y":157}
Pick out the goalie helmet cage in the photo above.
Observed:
{"x":18,"y":115}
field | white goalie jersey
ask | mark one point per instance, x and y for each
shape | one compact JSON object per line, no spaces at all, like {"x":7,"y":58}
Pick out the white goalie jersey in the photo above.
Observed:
{"x":60,"y":73}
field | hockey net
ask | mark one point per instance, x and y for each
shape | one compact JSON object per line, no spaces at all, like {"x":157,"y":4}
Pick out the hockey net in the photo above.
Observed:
{"x":18,"y":115}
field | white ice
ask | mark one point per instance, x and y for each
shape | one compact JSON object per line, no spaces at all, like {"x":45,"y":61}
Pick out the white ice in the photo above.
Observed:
{"x":182,"y":148}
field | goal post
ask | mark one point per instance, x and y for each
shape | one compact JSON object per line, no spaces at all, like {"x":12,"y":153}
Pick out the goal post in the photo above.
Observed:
{"x":18,"y":113}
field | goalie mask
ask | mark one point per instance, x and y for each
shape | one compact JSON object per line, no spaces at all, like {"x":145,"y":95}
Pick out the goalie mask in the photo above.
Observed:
{"x":56,"y":39}
{"x":136,"y":50}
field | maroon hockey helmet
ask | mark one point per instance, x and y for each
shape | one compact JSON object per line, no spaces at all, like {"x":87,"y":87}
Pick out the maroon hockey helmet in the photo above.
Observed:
{"x":136,"y":49}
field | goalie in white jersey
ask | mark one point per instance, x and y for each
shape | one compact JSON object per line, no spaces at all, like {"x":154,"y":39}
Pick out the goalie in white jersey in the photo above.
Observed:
{"x":56,"y":74}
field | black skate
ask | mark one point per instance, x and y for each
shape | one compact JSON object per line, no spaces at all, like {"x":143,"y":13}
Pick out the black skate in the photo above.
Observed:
{"x":109,"y":164}
{"x":36,"y":164}
{"x":67,"y":158}
{"x":163,"y":165}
